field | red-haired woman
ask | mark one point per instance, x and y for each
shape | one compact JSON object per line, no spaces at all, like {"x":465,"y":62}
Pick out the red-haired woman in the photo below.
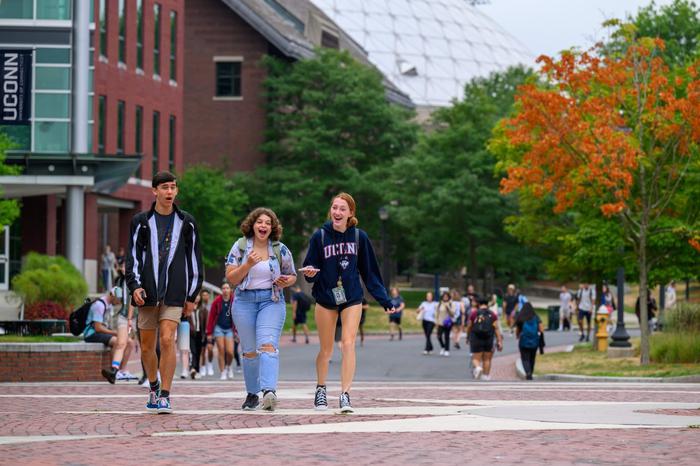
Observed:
{"x":339,"y":254}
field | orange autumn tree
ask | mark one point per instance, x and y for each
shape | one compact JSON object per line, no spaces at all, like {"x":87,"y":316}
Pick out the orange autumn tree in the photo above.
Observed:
{"x":618,"y":132}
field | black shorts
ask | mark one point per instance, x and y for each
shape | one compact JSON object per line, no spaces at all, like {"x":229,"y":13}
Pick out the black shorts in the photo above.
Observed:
{"x":584,"y":315}
{"x":480,"y":345}
{"x":395,"y":319}
{"x":98,"y":337}
{"x":339,"y":308}
{"x":300,"y":318}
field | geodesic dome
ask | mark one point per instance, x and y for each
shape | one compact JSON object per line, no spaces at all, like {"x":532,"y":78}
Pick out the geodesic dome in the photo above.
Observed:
{"x":428,"y":48}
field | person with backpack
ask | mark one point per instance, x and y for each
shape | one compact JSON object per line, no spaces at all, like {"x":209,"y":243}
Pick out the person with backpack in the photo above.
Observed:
{"x":260,"y":267}
{"x":220,"y":327}
{"x":482,"y":328}
{"x":528,"y":328}
{"x":164,"y":275}
{"x":300,"y":307}
{"x":585,"y":298}
{"x":339,"y":254}
{"x":444,"y":320}
{"x":96,"y":330}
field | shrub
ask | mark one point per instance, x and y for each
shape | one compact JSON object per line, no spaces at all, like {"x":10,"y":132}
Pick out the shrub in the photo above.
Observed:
{"x":49,"y":279}
{"x":685,"y":317}
{"x":45,"y":310}
{"x":675,"y":347}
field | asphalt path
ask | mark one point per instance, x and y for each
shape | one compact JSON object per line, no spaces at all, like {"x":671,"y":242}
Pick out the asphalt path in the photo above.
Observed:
{"x":381,"y":359}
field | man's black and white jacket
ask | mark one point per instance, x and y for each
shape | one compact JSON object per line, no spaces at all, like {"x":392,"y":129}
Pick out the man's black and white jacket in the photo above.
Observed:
{"x":184,"y":268}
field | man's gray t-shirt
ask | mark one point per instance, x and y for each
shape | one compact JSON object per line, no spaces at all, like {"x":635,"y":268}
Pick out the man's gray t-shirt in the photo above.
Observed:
{"x":586,"y":298}
{"x":164,"y":223}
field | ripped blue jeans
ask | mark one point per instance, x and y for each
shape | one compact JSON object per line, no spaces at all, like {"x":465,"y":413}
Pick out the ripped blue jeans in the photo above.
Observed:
{"x":259,"y":321}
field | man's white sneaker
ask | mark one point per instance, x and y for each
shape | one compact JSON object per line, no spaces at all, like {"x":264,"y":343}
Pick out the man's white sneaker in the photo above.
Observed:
{"x":442,"y":352}
{"x":210,"y":369}
{"x":485,"y":377}
{"x":477,"y":372}
{"x":446,"y":354}
{"x":223,"y":376}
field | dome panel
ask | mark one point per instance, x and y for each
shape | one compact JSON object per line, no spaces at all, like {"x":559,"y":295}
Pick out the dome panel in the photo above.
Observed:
{"x":430,"y":49}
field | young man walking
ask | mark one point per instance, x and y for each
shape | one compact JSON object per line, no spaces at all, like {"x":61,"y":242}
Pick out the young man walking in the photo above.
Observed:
{"x":164,"y":275}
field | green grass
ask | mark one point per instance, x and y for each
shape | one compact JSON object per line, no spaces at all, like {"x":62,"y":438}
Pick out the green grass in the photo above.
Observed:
{"x":585,"y":361}
{"x":675,"y":347}
{"x":37,"y":339}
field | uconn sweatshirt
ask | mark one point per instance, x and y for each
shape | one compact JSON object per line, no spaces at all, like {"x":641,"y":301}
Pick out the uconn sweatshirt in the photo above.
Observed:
{"x":349,"y":255}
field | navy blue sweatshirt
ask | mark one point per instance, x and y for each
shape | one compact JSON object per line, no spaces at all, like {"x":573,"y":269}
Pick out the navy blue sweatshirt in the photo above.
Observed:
{"x":339,"y":254}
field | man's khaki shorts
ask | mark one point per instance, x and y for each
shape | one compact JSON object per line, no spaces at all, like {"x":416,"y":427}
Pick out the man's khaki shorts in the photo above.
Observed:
{"x":150,"y":316}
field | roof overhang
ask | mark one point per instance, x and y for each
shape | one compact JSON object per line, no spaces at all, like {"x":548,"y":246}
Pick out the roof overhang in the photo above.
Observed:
{"x":53,"y":173}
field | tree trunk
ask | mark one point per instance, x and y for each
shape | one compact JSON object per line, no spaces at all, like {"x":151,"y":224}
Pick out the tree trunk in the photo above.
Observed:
{"x":473,"y":272}
{"x":643,"y":293}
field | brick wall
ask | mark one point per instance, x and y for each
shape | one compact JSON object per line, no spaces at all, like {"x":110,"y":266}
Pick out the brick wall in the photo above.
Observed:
{"x":41,"y":363}
{"x":223,"y":133}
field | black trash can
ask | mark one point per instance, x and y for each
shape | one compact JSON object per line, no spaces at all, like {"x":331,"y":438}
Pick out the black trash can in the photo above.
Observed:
{"x":552,"y":317}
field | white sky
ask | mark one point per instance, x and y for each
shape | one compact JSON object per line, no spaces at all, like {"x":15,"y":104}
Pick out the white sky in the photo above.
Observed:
{"x":549,"y":26}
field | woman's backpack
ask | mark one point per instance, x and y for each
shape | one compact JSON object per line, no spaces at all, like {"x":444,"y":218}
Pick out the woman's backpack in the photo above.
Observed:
{"x":529,"y":335}
{"x":483,"y":323}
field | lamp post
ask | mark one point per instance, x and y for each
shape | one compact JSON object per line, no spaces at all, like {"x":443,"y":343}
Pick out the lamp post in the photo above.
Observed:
{"x":384,"y":217}
{"x":620,"y":338}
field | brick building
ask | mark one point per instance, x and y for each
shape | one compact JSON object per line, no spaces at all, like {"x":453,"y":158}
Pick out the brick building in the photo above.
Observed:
{"x":78,"y":190}
{"x":223,"y":96}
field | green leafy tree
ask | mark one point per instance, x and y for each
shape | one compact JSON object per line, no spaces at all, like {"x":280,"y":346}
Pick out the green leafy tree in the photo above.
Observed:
{"x":218,"y":204}
{"x":329,"y":124}
{"x":450,"y":204}
{"x":9,"y":208}
{"x":678,"y":24}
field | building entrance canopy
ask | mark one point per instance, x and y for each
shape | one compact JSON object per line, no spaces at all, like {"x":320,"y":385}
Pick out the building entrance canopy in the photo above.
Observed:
{"x":54,"y":173}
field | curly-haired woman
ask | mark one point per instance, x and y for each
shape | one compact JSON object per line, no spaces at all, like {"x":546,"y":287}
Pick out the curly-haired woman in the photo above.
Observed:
{"x":260,"y":267}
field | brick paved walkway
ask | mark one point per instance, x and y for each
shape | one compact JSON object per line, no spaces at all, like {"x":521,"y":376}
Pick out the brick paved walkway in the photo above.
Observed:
{"x":395,"y":423}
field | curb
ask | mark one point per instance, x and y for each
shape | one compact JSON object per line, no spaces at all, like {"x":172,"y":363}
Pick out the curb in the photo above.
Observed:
{"x":589,"y":378}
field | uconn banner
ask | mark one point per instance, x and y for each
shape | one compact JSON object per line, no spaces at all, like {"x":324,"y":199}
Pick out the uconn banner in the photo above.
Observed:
{"x":15,"y":86}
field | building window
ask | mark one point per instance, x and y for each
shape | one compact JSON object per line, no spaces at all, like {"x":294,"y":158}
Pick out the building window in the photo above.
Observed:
{"x":156,"y":141}
{"x":139,"y":34}
{"x":156,"y":39}
{"x":122,"y":31}
{"x":52,"y":9}
{"x":329,"y":41}
{"x":120,"y":126}
{"x":171,"y":144}
{"x":173,"y":45}
{"x":228,"y":79}
{"x":17,"y":9}
{"x":138,"y":143}
{"x":103,"y":28}
{"x":101,"y":124}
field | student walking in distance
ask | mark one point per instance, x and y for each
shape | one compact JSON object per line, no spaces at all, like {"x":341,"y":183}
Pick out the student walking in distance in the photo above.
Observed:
{"x":220,"y":327}
{"x":510,"y":304}
{"x":395,"y":318}
{"x":300,"y":308}
{"x":585,"y":297}
{"x":426,"y":313}
{"x":261,"y":267}
{"x":527,"y":329}
{"x":206,"y":360}
{"x":482,"y":327}
{"x":339,"y":254}
{"x":564,"y":309}
{"x":164,"y":276}
{"x":458,"y":325}
{"x":444,"y":321}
